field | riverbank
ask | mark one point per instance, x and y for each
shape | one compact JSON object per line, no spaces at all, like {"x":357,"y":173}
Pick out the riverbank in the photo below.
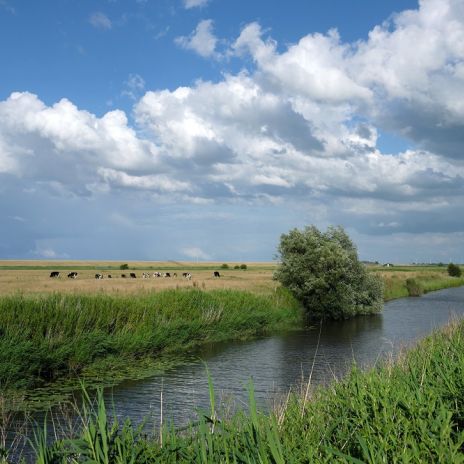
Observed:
{"x":410,"y":410}
{"x":404,"y":283}
{"x":47,"y":338}
{"x":52,"y":340}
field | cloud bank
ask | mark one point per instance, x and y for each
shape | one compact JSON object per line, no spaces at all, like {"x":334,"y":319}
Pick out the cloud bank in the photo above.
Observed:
{"x":298,"y":127}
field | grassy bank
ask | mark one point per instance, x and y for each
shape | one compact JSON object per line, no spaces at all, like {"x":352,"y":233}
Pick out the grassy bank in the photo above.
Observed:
{"x":50,"y":337}
{"x":411,"y":410}
{"x":399,"y":284}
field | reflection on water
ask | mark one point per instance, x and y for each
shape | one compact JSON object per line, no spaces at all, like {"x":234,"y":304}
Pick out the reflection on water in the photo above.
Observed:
{"x":278,"y":363}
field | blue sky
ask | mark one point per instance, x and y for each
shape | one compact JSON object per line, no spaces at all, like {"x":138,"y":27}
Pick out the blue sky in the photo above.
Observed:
{"x":196,"y":129}
{"x":55,"y":51}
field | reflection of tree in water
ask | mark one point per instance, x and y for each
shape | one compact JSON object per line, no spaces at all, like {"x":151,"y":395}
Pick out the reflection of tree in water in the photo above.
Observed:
{"x":358,"y":339}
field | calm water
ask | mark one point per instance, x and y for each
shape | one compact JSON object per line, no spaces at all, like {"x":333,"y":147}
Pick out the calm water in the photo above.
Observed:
{"x":278,"y":363}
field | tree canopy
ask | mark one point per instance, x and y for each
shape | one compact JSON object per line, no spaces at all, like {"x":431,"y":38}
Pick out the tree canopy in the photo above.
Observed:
{"x":322,"y":271}
{"x":454,"y":270}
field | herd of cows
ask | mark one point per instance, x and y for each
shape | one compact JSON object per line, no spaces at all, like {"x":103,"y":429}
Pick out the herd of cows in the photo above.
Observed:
{"x":133,"y":275}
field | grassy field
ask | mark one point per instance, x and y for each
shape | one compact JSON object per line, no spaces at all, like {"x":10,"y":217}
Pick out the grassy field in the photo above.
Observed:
{"x":33,"y":277}
{"x":409,"y":411}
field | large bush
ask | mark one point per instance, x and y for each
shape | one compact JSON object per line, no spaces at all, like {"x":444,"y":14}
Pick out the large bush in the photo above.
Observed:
{"x":322,"y":271}
{"x":454,"y":270}
{"x":414,"y":288}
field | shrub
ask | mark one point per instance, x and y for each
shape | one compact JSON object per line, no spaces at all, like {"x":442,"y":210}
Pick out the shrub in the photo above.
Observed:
{"x":454,"y":270}
{"x":236,"y":266}
{"x":224,"y":266}
{"x":243,"y":266}
{"x":323,"y":272}
{"x":414,"y":287}
{"x":124,"y":267}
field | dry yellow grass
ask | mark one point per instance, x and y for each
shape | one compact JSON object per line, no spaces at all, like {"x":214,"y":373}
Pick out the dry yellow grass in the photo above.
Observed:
{"x":34,"y":277}
{"x":258,"y":277}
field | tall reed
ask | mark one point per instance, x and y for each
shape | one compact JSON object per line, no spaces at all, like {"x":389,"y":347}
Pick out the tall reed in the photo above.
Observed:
{"x":44,"y":338}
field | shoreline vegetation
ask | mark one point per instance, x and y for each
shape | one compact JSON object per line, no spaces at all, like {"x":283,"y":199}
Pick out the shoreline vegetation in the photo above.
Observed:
{"x":403,"y":283}
{"x":407,"y":410}
{"x":50,"y":340}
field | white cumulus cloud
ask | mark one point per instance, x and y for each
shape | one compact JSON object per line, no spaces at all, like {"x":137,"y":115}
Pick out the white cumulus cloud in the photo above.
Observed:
{"x":301,"y":126}
{"x":202,"y":40}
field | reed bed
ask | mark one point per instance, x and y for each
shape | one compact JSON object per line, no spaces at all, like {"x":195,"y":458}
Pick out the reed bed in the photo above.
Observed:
{"x":409,"y":411}
{"x":49,"y":337}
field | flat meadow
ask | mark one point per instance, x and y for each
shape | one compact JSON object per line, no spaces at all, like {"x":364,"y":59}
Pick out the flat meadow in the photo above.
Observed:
{"x":34,"y":277}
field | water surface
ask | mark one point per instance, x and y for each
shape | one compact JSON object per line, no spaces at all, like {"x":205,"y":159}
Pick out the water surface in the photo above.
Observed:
{"x":278,"y":363}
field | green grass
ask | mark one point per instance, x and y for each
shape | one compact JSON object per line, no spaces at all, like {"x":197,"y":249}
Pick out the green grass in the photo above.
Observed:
{"x":55,"y":336}
{"x":409,"y":411}
{"x":396,"y":286}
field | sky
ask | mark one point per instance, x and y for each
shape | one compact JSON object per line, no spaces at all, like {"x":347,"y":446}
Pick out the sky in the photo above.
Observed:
{"x":204,"y":129}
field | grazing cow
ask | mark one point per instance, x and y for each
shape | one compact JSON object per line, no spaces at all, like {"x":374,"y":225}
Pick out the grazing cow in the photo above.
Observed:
{"x":54,"y":274}
{"x":109,"y":276}
{"x":157,"y":274}
{"x":167,"y":274}
{"x":175,"y":274}
{"x":145,"y":275}
{"x":99,"y":276}
{"x":72,"y":275}
{"x":187,"y":275}
{"x":133,"y":276}
{"x":216,"y":274}
{"x":123,"y":276}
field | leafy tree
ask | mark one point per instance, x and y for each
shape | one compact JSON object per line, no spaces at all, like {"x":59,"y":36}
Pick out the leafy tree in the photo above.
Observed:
{"x":124,"y":267}
{"x":224,"y":266}
{"x":454,"y":270}
{"x":243,"y":266}
{"x":322,"y":271}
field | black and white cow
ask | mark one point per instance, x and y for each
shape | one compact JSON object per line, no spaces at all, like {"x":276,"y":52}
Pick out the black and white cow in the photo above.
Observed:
{"x":216,"y":274}
{"x":109,"y":276}
{"x":54,"y":274}
{"x":167,"y":274}
{"x":99,"y":276}
{"x":72,"y":275}
{"x":132,"y":275}
{"x":123,"y":276}
{"x":145,"y":275}
{"x":187,"y":275}
{"x":157,"y":274}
